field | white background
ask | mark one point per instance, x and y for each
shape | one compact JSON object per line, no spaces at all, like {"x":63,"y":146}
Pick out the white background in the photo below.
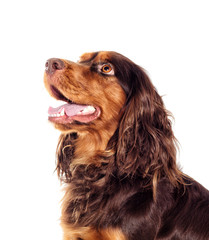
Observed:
{"x":170,"y":39}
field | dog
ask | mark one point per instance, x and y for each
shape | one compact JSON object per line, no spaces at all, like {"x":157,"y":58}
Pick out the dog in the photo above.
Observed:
{"x":116,"y":155}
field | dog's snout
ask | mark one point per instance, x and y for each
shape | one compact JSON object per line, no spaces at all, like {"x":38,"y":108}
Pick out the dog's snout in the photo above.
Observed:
{"x":54,"y":64}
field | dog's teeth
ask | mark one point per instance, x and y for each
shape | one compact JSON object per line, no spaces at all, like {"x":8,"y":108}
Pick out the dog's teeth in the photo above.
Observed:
{"x":62,"y":113}
{"x":55,"y":115}
{"x":88,"y":109}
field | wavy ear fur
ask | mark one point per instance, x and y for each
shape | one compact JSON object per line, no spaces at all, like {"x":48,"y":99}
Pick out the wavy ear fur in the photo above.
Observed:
{"x":146,"y":143}
{"x":65,"y":154}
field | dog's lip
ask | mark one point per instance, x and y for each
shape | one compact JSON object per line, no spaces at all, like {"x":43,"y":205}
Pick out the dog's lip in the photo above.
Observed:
{"x":58,"y":95}
{"x":70,"y":111}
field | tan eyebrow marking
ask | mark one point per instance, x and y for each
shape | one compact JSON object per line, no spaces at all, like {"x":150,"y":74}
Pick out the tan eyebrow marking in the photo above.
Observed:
{"x":87,"y":57}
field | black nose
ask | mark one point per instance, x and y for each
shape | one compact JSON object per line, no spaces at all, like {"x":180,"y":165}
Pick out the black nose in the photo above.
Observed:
{"x":54,"y":64}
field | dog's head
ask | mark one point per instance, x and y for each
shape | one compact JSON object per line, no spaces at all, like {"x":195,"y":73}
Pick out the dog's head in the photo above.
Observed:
{"x":90,"y":89}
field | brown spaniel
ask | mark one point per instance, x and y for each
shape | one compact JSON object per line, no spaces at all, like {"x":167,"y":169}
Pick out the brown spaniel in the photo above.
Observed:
{"x":117,"y":155}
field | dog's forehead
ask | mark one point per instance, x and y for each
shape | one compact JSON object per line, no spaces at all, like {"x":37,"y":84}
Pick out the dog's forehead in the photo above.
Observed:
{"x":94,"y":56}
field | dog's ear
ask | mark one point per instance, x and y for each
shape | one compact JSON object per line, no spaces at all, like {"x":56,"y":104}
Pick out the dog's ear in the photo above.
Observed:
{"x":146,"y":144}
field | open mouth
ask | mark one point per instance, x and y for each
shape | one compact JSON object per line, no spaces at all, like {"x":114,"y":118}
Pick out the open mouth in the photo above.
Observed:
{"x":70,"y":111}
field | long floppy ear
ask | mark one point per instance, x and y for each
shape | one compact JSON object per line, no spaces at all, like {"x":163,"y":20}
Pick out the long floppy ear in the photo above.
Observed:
{"x":146,"y":144}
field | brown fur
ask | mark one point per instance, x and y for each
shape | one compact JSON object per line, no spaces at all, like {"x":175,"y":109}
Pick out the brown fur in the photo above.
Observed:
{"x":120,"y":172}
{"x":88,"y":233}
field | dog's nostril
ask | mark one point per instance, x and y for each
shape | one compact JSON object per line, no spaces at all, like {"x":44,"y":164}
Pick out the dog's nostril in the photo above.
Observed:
{"x":54,"y":64}
{"x":58,"y":64}
{"x":46,"y":65}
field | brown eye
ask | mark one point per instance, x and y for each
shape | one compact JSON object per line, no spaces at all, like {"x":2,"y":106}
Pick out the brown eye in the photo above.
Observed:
{"x":106,"y":68}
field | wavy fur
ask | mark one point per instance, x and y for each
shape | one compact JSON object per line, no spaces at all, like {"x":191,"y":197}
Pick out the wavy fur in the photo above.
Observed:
{"x":120,"y":172}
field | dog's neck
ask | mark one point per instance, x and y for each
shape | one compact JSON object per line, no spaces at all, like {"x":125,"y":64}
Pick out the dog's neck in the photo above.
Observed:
{"x":90,"y":146}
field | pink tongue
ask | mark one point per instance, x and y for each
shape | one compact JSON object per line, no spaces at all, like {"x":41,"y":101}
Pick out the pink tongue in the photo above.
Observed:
{"x":70,"y":109}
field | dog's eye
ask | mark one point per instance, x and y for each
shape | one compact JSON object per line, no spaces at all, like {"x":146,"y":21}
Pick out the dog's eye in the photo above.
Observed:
{"x":107,"y":69}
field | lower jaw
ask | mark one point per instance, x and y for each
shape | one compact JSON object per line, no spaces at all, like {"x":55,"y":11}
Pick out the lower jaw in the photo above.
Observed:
{"x":81,"y":119}
{"x":60,"y":120}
